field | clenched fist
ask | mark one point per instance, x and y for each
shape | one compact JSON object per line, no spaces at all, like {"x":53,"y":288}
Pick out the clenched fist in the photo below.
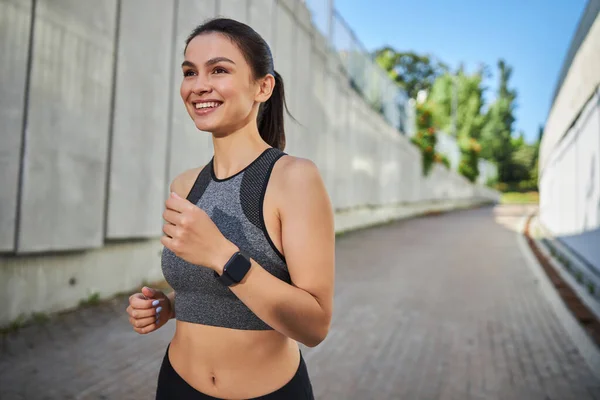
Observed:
{"x":149,"y":310}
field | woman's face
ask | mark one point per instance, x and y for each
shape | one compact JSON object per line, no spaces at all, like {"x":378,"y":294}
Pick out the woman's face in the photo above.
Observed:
{"x":218,"y":89}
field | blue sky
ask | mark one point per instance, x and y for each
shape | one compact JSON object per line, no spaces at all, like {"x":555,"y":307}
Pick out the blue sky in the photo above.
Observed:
{"x":532,"y":36}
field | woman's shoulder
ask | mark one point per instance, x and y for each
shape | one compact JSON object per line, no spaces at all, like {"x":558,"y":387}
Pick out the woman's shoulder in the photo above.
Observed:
{"x":294,"y":174}
{"x":182,"y":183}
{"x":299,"y":190}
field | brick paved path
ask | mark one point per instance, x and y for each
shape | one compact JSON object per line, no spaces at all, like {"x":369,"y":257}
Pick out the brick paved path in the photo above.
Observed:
{"x":438,"y":307}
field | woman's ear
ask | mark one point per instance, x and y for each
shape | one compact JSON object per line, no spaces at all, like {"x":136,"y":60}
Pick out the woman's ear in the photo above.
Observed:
{"x":265,"y":88}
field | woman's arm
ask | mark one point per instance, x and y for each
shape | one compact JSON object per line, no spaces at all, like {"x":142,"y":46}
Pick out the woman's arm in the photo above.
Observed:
{"x":301,"y":311}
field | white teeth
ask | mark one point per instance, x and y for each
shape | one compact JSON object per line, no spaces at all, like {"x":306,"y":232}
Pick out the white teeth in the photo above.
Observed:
{"x":210,"y":104}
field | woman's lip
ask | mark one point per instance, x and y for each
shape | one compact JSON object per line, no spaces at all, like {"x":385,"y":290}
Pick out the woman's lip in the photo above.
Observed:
{"x":204,"y":111}
{"x":206,"y":101}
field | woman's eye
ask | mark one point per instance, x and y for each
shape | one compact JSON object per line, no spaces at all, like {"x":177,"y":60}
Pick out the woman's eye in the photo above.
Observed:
{"x":219,"y":70}
{"x":188,"y":73}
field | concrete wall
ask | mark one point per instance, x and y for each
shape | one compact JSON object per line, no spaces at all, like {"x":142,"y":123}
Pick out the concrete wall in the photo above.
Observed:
{"x":137,"y":177}
{"x":93,"y":131}
{"x":570,"y":185}
{"x":65,"y":163}
{"x":447,"y":145}
{"x":15,"y":32}
{"x":581,"y":76}
{"x":570,"y":149}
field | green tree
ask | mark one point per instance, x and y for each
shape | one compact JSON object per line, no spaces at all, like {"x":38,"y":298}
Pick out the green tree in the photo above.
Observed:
{"x":426,"y":138}
{"x":534,"y":175}
{"x":525,"y":157}
{"x":469,"y":91}
{"x":522,"y":160}
{"x":461,"y":95}
{"x":412,"y":71}
{"x":496,"y":135}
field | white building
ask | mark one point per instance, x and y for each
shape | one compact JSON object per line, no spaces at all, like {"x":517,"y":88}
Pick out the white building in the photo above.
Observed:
{"x":569,"y":162}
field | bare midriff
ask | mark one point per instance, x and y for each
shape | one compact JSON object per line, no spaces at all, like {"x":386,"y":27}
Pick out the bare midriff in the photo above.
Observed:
{"x":230,"y":363}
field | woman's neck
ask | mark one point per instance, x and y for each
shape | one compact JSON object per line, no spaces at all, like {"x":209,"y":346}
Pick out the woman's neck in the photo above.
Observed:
{"x":235,"y":151}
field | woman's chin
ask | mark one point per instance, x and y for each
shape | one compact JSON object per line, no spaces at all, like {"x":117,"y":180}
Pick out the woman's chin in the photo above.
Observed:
{"x":205,"y":126}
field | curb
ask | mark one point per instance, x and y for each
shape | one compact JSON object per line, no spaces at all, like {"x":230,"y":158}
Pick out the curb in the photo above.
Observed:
{"x":579,"y":322}
{"x":580,"y":275}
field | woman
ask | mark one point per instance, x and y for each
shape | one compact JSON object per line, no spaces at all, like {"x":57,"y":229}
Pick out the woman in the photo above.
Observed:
{"x":249,"y":237}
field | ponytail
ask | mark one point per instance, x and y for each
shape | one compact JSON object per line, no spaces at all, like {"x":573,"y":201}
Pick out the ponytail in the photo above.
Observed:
{"x":270,"y":116}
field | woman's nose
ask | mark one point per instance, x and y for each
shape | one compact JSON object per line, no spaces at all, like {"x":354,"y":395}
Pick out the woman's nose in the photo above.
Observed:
{"x":201,"y":85}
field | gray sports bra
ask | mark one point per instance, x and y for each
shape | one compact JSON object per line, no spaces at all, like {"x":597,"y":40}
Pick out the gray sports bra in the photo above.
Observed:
{"x":235,"y":205}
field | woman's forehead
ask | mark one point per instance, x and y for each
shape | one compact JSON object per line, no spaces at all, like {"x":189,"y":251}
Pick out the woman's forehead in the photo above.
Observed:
{"x":210,"y":45}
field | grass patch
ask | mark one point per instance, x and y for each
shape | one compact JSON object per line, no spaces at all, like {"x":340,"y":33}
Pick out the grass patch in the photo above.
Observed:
{"x":40,"y":317}
{"x":92,"y":300}
{"x":520,"y":198}
{"x":591,"y":288}
{"x":15,"y":324}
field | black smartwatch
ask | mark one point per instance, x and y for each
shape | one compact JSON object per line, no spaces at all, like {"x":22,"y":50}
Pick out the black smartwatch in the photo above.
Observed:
{"x":234,"y":270}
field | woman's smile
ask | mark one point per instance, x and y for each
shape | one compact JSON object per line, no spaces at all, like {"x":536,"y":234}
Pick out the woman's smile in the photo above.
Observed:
{"x":205,"y":107}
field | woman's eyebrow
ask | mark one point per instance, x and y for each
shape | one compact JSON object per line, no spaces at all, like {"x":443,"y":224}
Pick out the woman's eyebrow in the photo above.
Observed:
{"x":216,"y":60}
{"x":210,"y":62}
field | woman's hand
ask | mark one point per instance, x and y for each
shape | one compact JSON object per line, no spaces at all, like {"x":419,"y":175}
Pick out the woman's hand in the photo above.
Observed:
{"x":149,"y":310}
{"x":193,"y":236}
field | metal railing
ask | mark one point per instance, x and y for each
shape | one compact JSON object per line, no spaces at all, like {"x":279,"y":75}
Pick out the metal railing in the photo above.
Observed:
{"x":365,"y":76}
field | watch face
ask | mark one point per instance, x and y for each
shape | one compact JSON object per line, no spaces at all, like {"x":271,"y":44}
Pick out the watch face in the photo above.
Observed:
{"x":238,"y":267}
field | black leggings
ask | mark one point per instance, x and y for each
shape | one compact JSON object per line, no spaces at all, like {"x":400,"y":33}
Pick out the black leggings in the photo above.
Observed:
{"x":173,"y":387}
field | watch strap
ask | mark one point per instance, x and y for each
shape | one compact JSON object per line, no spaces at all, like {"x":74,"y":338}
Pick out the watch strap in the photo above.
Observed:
{"x":224,"y":279}
{"x":228,"y":279}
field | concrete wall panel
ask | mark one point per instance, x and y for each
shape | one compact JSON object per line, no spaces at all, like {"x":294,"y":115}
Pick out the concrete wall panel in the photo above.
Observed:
{"x":284,"y":42}
{"x":564,"y":204}
{"x":234,"y":9}
{"x":306,"y":138}
{"x":189,"y":147}
{"x":579,"y":84}
{"x":63,"y":195}
{"x":138,"y":153}
{"x":342,"y":142}
{"x":346,"y":140}
{"x":261,"y":18}
{"x":15,"y":21}
{"x":318,"y":103}
{"x":588,"y":166}
{"x":571,"y":177}
{"x":591,"y":142}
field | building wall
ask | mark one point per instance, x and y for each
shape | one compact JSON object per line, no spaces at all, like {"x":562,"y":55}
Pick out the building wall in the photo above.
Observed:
{"x":581,"y":76}
{"x":570,"y":149}
{"x":570,"y":184}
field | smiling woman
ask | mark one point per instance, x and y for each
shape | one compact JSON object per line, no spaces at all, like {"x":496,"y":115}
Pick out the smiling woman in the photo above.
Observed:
{"x":249,"y":237}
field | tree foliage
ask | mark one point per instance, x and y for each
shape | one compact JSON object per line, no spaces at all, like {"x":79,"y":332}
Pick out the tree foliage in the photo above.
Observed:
{"x":426,"y":138}
{"x":412,"y":71}
{"x":456,"y":102}
{"x":465,"y":93}
{"x":469,"y":102}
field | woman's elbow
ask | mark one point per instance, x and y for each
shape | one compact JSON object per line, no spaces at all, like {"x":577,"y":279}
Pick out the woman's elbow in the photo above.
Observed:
{"x":319,"y":333}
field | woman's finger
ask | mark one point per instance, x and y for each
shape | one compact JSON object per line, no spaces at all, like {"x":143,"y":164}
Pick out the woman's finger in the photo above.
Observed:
{"x":146,"y":329}
{"x":139,"y":303}
{"x":169,"y":229}
{"x":136,"y":313}
{"x":140,"y":323}
{"x":171,"y":216}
